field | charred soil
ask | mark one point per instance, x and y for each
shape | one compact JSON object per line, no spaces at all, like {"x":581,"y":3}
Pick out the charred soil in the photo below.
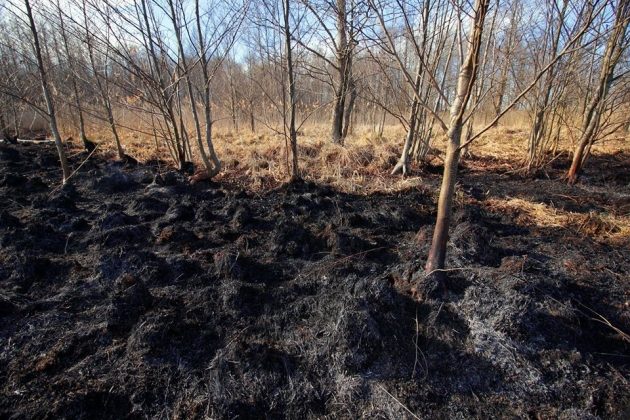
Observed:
{"x":131,"y":294}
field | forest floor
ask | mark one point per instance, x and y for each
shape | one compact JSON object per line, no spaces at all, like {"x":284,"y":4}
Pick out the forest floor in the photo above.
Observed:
{"x":131,"y":294}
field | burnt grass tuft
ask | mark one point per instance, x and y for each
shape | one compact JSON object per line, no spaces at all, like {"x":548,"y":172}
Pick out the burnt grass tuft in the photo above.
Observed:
{"x":132,"y":294}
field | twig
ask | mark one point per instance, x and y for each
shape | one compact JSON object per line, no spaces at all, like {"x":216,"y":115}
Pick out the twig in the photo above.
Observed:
{"x":415,"y":363}
{"x":401,"y":404}
{"x":444,"y":270}
{"x":65,"y":248}
{"x":329,"y":264}
{"x":76,"y":170}
{"x":625,"y":381}
{"x":570,"y":197}
{"x":601,"y":319}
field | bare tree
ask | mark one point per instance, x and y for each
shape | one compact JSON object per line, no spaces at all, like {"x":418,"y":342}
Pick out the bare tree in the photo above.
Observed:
{"x":341,"y":39}
{"x":343,"y":55}
{"x":486,"y":71}
{"x":50,"y":105}
{"x":615,"y":47}
{"x":276,"y":36}
{"x":292,"y":134}
{"x":207,"y":73}
{"x":184,"y":73}
{"x":102,"y":79}
{"x":460,"y":111}
{"x":163,"y":69}
{"x":73,"y":66}
{"x":430,"y":55}
{"x":506,"y":49}
{"x":465,"y":83}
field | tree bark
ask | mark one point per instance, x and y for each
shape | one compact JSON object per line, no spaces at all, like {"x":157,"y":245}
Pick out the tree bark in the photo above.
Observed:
{"x":347,"y":120}
{"x":337,"y":116}
{"x":16,"y":121}
{"x":402,"y":166}
{"x":252,"y":120}
{"x":503,"y":78}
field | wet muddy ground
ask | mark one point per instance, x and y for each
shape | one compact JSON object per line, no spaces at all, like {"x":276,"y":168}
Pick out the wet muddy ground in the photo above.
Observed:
{"x":131,"y":294}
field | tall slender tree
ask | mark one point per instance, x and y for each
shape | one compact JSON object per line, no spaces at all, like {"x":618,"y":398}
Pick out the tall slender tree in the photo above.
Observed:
{"x":615,"y":46}
{"x":465,"y":84}
{"x":290,"y":125}
{"x":50,"y":104}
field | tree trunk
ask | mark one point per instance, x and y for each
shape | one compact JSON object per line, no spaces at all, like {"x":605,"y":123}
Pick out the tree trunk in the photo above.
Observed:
{"x":207,"y":104}
{"x":84,"y":140}
{"x":47,"y":95}
{"x":252,"y":120}
{"x":191,"y":95}
{"x":465,"y":82}
{"x":165,"y":95}
{"x":343,"y":70}
{"x":467,"y":136}
{"x":295,"y":170}
{"x":535,"y":135}
{"x":381,"y":125}
{"x":437,"y":253}
{"x":233,"y":102}
{"x":538,"y":130}
{"x":402,"y":166}
{"x":403,"y":163}
{"x":112,"y":126}
{"x":3,"y":126}
{"x":16,"y":121}
{"x":503,"y":78}
{"x":478,"y":91}
{"x":347,"y":123}
{"x":337,"y":117}
{"x":576,"y":163}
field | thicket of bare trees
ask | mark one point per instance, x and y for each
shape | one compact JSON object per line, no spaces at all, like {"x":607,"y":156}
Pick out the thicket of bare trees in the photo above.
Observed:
{"x":171,"y":69}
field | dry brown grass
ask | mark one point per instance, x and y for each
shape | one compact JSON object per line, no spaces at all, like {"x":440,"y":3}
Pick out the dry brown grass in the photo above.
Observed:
{"x":259,"y":160}
{"x":361,"y":167}
{"x":610,"y":228}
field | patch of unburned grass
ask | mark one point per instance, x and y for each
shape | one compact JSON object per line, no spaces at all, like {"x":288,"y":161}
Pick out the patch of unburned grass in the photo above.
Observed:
{"x":609,"y":228}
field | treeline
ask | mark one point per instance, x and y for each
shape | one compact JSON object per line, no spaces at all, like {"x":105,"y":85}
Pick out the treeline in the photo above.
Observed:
{"x":450,"y":68}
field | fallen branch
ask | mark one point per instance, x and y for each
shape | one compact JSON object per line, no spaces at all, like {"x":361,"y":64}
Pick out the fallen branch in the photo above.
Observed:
{"x":35,"y":141}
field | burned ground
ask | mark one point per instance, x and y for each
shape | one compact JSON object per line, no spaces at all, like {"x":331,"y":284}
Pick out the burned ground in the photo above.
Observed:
{"x":130,"y":294}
